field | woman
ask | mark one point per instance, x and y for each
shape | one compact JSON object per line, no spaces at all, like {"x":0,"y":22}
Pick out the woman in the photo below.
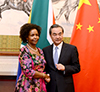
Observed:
{"x":31,"y":58}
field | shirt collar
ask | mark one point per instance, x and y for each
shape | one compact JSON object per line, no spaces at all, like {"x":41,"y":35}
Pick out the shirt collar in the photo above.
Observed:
{"x":59,"y":46}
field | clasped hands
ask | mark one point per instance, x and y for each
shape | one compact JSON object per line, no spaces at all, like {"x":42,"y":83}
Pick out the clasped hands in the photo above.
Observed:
{"x":47,"y":78}
{"x":59,"y":67}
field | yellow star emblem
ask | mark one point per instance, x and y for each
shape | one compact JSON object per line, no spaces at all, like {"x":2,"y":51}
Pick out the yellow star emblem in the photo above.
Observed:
{"x":90,"y":28}
{"x":79,"y":26}
{"x":83,"y":2}
{"x":99,"y":20}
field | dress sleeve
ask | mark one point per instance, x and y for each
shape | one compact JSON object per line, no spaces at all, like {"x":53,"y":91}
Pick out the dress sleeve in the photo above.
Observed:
{"x":26,"y":64}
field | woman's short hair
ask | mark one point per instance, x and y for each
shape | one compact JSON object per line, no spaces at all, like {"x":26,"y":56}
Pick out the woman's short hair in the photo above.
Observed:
{"x":55,"y":26}
{"x":26,"y":28}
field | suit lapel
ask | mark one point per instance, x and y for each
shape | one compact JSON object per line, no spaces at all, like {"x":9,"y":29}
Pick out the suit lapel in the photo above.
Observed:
{"x":52,"y":61}
{"x":63,"y":51}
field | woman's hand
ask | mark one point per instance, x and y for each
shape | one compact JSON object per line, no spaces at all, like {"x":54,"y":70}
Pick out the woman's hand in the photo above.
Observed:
{"x":46,"y":76}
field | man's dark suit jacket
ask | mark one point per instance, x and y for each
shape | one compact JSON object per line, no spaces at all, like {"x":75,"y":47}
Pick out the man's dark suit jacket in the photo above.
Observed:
{"x":60,"y":80}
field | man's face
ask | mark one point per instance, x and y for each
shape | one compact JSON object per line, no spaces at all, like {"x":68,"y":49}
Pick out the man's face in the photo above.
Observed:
{"x":56,"y":35}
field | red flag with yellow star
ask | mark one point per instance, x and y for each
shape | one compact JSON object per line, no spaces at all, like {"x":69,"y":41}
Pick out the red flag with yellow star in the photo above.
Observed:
{"x":86,"y":37}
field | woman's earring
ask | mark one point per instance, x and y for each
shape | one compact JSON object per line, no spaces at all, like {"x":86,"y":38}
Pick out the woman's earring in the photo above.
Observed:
{"x":27,"y":41}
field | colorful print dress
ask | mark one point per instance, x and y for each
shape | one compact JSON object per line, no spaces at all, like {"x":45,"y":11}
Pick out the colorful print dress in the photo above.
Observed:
{"x":29,"y":64}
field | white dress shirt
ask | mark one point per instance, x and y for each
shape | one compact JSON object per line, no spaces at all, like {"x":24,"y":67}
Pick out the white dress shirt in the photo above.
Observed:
{"x":58,"y":50}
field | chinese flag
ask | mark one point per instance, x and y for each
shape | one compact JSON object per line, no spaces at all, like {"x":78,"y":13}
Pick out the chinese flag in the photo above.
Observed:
{"x":86,"y":37}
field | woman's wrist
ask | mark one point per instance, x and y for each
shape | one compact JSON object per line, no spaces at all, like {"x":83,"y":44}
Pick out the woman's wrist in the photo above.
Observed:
{"x":43,"y":75}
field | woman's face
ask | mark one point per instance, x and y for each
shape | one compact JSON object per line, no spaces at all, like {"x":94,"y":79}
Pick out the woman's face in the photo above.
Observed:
{"x":33,"y":37}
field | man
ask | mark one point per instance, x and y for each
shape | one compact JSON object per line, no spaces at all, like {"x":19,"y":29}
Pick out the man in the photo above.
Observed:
{"x":60,"y":70}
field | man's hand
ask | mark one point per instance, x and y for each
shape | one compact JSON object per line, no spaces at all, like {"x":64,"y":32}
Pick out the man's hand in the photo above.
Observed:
{"x":47,"y":79}
{"x":60,"y":67}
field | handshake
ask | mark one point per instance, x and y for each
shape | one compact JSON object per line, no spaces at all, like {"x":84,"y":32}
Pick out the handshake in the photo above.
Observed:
{"x":46,"y":77}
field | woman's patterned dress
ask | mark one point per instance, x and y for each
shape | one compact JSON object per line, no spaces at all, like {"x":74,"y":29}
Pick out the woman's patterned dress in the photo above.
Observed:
{"x":29,"y":64}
